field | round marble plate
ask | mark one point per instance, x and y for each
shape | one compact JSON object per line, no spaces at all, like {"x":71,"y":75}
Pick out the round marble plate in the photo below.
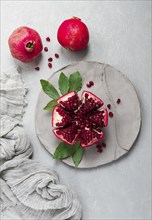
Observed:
{"x":123,"y":128}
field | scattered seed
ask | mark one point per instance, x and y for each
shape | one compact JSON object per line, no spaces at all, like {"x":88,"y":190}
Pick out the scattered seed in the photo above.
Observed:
{"x":50,"y":65}
{"x":99,"y":150}
{"x":109,"y":106}
{"x":56,"y":55}
{"x":103,"y":145}
{"x":91,"y":83}
{"x":46,"y":49}
{"x":50,"y":59}
{"x":118,"y":101}
{"x":110,"y":114}
{"x":98,"y":146}
{"x":37,"y":68}
{"x":88,"y":85}
{"x":48,"y":39}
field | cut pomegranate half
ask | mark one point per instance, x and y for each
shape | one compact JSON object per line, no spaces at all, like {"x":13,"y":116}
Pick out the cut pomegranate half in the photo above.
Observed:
{"x":100,"y":118}
{"x":69,"y":101}
{"x":90,"y":137}
{"x":60,"y":117}
{"x":67,"y":134}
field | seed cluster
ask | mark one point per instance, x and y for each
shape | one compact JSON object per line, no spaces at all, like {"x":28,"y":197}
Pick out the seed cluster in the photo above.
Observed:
{"x":91,"y":104}
{"x":88,"y":136}
{"x":98,"y":118}
{"x":71,"y":103}
{"x":68,"y":133}
{"x":65,"y":117}
{"x":82,"y":119}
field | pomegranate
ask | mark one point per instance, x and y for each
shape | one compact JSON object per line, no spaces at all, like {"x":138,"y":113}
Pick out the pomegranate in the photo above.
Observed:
{"x":76,"y":119}
{"x":73,"y":34}
{"x":25,"y":44}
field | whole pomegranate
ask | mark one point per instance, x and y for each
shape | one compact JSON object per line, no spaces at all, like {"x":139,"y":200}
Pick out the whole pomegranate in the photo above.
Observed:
{"x":25,"y":44}
{"x":73,"y":34}
{"x":79,"y":120}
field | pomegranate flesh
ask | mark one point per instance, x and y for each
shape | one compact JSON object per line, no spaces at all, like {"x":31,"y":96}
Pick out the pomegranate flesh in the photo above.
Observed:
{"x":90,"y":102}
{"x":25,"y":44}
{"x":100,"y":118}
{"x":68,"y":134}
{"x":60,"y":117}
{"x":82,"y":120}
{"x":73,"y":34}
{"x":90,"y":136}
{"x":69,"y":101}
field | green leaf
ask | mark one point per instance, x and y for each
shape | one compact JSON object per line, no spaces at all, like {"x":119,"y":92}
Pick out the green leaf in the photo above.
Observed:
{"x":49,"y":89}
{"x":63,"y":151}
{"x":75,"y":82}
{"x":51,"y":105}
{"x":76,"y":145}
{"x":77,"y":157}
{"x":63,"y":83}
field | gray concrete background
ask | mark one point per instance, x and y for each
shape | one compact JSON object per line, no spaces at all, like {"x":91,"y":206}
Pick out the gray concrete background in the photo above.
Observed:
{"x":120,"y":35}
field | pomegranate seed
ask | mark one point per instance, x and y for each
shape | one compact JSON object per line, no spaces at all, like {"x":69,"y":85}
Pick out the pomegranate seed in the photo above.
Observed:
{"x":56,"y":55}
{"x":37,"y":68}
{"x":50,"y":65}
{"x":110,"y":114}
{"x":79,"y":102}
{"x":91,"y":83}
{"x":118,"y":101}
{"x":109,"y":106}
{"x":88,"y":85}
{"x":99,"y":150}
{"x":46,"y":49}
{"x":98,"y":146}
{"x":103,"y":145}
{"x":48,"y":39}
{"x":50,"y":59}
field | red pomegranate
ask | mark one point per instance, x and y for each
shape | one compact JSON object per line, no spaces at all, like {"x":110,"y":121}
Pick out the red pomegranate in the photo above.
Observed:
{"x":73,"y":34}
{"x":82,"y":120}
{"x":25,"y":44}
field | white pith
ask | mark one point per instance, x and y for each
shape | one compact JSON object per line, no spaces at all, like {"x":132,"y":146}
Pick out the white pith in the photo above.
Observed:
{"x":57,"y":118}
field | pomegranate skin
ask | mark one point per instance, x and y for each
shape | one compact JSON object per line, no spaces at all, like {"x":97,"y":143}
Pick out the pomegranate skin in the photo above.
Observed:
{"x":25,"y":44}
{"x":73,"y":34}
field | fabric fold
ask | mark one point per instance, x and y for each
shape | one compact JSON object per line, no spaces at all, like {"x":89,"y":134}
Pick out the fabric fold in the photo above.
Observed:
{"x":29,"y":189}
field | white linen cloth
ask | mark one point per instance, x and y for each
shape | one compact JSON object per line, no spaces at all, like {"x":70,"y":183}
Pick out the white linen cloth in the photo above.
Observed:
{"x":29,"y":190}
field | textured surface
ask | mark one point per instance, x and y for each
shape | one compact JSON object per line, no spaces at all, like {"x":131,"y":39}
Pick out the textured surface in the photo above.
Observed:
{"x":120,"y":34}
{"x":29,"y":189}
{"x":123,"y":128}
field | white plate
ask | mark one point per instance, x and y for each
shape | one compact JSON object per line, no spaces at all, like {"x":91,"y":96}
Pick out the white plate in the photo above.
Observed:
{"x":123,"y":128}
